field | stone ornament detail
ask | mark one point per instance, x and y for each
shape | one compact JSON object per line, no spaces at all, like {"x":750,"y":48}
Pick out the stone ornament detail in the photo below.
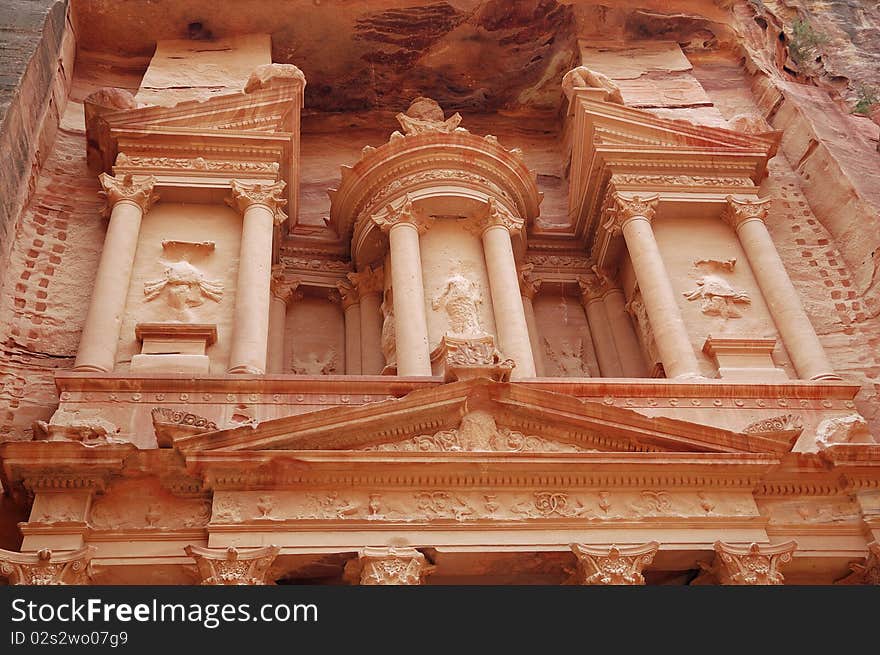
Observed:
{"x":196,"y":164}
{"x":229,"y":566}
{"x":405,"y":213}
{"x":584,"y":78}
{"x":867,"y":573}
{"x":753,"y":564}
{"x":614,"y":565}
{"x":264,"y":75}
{"x":169,"y":423}
{"x":593,"y":287}
{"x":425,"y":116}
{"x":464,"y":359}
{"x":852,"y":429}
{"x":269,"y":195}
{"x":529,"y":284}
{"x":568,"y":356}
{"x":313,"y":363}
{"x":388,"y":566}
{"x":495,"y":215}
{"x":460,"y":298}
{"x":478,"y":432}
{"x":283,"y":289}
{"x":622,"y":209}
{"x":388,"y":337}
{"x":680,"y":180}
{"x":138,"y":192}
{"x":83,"y":425}
{"x":738,"y":212}
{"x":46,"y":567}
{"x":348,"y":293}
{"x":775,"y":425}
{"x":370,"y":280}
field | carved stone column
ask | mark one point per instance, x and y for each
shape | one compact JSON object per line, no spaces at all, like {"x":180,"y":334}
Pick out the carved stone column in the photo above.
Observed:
{"x":282,"y":294}
{"x":351,"y":306}
{"x":633,"y":218}
{"x":369,"y":284}
{"x":229,"y":566}
{"x":528,"y":287}
{"x":752,"y":564}
{"x":632,"y":362}
{"x":495,"y":228}
{"x":46,"y":567}
{"x":127,"y":202}
{"x":593,"y":291}
{"x":388,"y":566}
{"x":404,"y":225}
{"x":798,"y":335}
{"x":613,"y":566}
{"x":261,"y":206}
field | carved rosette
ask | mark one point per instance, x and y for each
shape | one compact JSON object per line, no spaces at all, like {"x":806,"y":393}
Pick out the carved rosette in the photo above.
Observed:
{"x":738,"y":212}
{"x":47,"y":568}
{"x":496,"y":215}
{"x":229,"y":566}
{"x":753,"y":564}
{"x":127,"y":189}
{"x":614,"y":565}
{"x":245,"y":195}
{"x":388,"y":566}
{"x":368,"y":281}
{"x":867,"y":573}
{"x":406,"y":213}
{"x":623,"y":209}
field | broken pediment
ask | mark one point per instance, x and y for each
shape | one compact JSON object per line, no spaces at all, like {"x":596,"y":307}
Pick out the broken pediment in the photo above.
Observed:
{"x":479,"y":415}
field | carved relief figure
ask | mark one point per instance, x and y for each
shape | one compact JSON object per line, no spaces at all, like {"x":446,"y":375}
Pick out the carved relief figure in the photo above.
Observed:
{"x":460,"y":298}
{"x":569,"y":358}
{"x":718,"y":297}
{"x":389,"y":338}
{"x":183,"y":285}
{"x":314,"y":364}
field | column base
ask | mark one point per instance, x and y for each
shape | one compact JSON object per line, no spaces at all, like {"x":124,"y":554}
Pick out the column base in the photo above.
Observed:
{"x":90,"y":368}
{"x":245,"y":370}
{"x":826,"y":377}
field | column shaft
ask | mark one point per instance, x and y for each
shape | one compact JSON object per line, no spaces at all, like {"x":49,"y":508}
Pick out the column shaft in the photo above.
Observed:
{"x":603,"y":338}
{"x":372,"y":360}
{"x":532,"y":326}
{"x":250,"y":326}
{"x":353,"y":358}
{"x":100,"y":335}
{"x":411,"y":327}
{"x":628,"y":349}
{"x":670,"y":333}
{"x":277,"y":324}
{"x":794,"y":326}
{"x":510,"y":319}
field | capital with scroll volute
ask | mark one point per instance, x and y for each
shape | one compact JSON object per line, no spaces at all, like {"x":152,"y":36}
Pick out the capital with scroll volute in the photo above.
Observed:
{"x":405,"y":213}
{"x":738,"y":212}
{"x":244,"y":195}
{"x":126,"y":188}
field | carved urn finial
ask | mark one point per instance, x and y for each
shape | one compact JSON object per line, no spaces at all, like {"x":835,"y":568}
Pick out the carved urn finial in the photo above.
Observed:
{"x":425,"y":115}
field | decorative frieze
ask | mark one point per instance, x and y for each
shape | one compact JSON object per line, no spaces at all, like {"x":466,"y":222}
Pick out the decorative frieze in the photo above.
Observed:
{"x":229,"y":566}
{"x":169,"y":423}
{"x":46,"y":567}
{"x":269,"y":169}
{"x":614,"y":565}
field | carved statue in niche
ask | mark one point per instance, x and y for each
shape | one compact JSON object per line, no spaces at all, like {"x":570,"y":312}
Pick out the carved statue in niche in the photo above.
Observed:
{"x":389,"y":338}
{"x":718,"y":297}
{"x":568,"y":357}
{"x":182,"y":284}
{"x":313,"y":364}
{"x":460,"y":298}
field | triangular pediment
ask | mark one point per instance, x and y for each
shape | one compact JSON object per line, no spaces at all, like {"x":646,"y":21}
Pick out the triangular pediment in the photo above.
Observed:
{"x":482,"y":416}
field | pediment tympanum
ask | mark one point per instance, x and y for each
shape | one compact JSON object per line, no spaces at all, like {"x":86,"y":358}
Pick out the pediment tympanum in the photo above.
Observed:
{"x":483,"y":416}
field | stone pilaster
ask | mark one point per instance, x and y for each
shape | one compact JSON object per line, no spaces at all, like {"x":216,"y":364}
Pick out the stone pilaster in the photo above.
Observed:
{"x":388,"y":566}
{"x":529,"y":286}
{"x":283,"y":292}
{"x":593,"y":290}
{"x":747,"y":218}
{"x":46,"y":567}
{"x":614,"y":565}
{"x":127,"y":202}
{"x":369,"y":284}
{"x":351,"y":307}
{"x":261,"y":206}
{"x":229,"y":566}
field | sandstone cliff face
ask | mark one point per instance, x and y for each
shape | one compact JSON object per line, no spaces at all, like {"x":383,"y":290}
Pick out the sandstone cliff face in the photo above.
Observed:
{"x":498,"y":63}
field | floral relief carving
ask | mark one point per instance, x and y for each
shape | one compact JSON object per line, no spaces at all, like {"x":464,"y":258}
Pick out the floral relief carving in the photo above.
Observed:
{"x":46,"y":567}
{"x":388,"y":566}
{"x":245,"y":195}
{"x":139,"y":192}
{"x":614,"y":565}
{"x":125,"y":510}
{"x":738,"y":212}
{"x":751,"y":565}
{"x":774,"y":424}
{"x":680,"y":180}
{"x":229,"y":566}
{"x":196,"y":164}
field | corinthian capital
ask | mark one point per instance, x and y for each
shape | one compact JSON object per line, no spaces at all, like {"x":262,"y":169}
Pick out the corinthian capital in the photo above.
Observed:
{"x":269,"y":195}
{"x":613,"y":566}
{"x":388,"y":566}
{"x":282,"y":288}
{"x":495,"y":215}
{"x":593,"y":287}
{"x":753,"y":564}
{"x":738,"y":212}
{"x":369,"y":280}
{"x":47,"y":568}
{"x":406,"y":213}
{"x":139,"y":192}
{"x":622,"y":209}
{"x":228,"y":566}
{"x":528,"y":283}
